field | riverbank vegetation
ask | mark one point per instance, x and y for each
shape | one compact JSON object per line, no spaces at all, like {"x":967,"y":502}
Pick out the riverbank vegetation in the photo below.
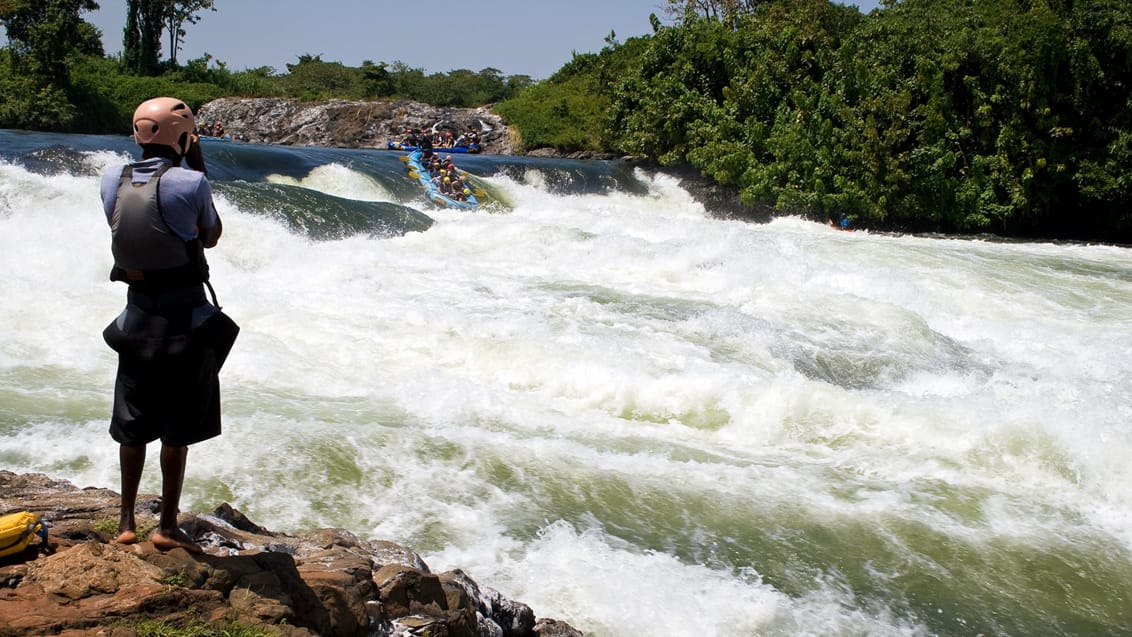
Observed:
{"x":1011,"y":117}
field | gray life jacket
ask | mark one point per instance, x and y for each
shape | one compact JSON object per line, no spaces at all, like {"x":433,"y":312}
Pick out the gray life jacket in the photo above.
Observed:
{"x":146,"y":250}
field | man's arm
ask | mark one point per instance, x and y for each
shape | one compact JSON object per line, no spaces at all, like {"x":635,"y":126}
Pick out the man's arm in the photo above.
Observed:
{"x":209,"y":226}
{"x":194,"y":158}
{"x":209,"y":236}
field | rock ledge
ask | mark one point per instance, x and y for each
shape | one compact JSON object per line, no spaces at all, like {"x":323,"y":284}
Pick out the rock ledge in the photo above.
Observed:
{"x":326,"y":582}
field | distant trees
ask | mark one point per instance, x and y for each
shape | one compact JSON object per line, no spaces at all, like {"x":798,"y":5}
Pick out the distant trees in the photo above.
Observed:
{"x":147,"y":20}
{"x":722,"y":10}
{"x":141,"y":37}
{"x":312,"y":78}
{"x":178,"y":13}
{"x":376,"y":79}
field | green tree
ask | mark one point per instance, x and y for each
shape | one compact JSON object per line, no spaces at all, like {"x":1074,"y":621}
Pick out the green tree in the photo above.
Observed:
{"x":570,"y":110}
{"x":177,"y":13}
{"x":723,"y":10}
{"x":407,"y":81}
{"x":44,"y":35}
{"x":995,"y":116}
{"x":47,"y":38}
{"x":312,"y":79}
{"x":27,"y":104}
{"x":1009,"y":116}
{"x":1096,"y":106}
{"x":141,"y":40}
{"x":657,"y":106}
{"x":377,"y":79}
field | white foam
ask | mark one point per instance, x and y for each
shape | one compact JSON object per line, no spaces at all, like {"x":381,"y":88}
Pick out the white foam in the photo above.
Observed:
{"x":593,"y":580}
{"x":340,"y":181}
{"x":446,"y":388}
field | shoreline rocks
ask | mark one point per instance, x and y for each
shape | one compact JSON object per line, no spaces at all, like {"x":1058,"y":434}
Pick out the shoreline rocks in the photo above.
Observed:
{"x":324,"y":582}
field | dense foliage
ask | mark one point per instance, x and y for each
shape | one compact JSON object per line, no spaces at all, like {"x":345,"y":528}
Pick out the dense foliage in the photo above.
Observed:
{"x":1004,"y":116}
{"x":567,"y":111}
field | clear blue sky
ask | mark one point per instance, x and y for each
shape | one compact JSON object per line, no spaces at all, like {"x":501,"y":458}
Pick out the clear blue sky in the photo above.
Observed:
{"x":518,"y":37}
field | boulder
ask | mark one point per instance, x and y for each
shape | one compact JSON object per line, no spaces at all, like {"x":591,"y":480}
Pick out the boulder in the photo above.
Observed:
{"x":324,"y":582}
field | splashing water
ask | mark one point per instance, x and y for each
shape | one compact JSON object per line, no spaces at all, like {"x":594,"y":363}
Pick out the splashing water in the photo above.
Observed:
{"x":613,"y":407}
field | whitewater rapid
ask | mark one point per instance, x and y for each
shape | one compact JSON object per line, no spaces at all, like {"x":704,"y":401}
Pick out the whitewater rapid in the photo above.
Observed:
{"x":631,"y":415}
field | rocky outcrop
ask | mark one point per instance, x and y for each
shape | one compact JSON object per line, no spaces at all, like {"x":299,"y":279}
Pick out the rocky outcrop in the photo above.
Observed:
{"x":347,"y":124}
{"x":326,"y":582}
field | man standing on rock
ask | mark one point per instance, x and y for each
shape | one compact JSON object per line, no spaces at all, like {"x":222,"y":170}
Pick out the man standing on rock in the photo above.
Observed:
{"x":171,"y":341}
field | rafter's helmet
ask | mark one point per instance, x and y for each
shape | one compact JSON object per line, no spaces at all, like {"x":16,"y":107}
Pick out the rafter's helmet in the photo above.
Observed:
{"x":166,"y":121}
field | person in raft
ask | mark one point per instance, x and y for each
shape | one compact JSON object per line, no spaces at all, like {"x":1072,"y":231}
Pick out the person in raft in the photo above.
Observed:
{"x":171,"y":341}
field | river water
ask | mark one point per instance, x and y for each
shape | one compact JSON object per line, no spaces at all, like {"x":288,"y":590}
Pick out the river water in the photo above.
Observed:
{"x":603,"y":402}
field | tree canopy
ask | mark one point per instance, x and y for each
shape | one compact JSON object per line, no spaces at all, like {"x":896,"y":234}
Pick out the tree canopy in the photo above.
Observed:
{"x":1004,"y":116}
{"x":147,"y":20}
{"x":44,"y":34}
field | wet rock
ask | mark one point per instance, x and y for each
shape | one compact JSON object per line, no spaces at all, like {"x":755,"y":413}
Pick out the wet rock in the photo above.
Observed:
{"x":325,"y":582}
{"x":555,"y":628}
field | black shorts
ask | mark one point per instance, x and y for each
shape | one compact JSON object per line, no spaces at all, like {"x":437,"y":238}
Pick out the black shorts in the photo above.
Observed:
{"x":167,"y":386}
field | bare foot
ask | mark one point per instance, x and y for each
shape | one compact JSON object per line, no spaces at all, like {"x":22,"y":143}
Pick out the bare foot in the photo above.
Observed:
{"x":126,"y":537}
{"x":177,"y":539}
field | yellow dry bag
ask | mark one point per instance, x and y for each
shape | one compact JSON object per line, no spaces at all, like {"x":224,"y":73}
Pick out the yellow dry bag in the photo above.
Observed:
{"x":17,"y":530}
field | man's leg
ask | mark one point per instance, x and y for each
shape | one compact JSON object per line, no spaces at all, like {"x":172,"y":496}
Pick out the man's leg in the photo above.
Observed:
{"x":168,"y":535}
{"x":132,"y":461}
